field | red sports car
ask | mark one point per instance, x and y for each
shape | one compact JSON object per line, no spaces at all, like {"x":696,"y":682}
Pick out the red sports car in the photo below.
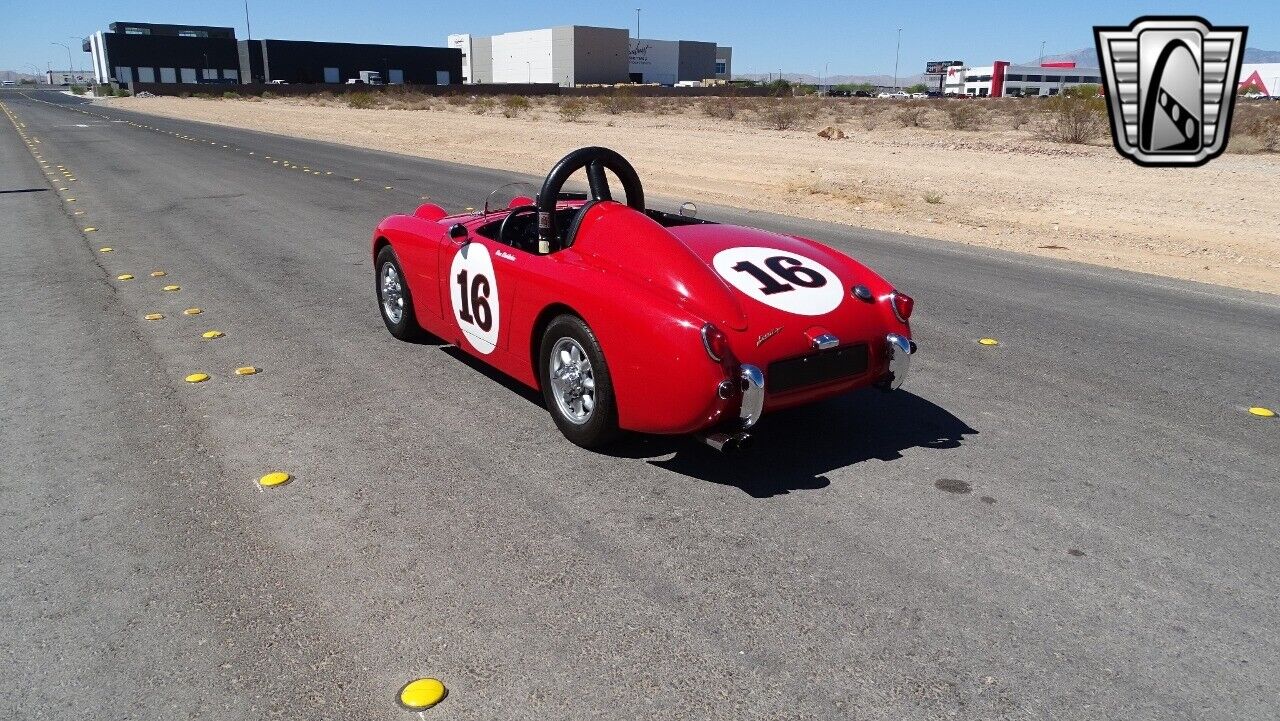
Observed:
{"x":628,"y":318}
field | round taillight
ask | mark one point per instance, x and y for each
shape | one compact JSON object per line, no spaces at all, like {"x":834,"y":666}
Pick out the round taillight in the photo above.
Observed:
{"x":714,"y":340}
{"x":903,"y":304}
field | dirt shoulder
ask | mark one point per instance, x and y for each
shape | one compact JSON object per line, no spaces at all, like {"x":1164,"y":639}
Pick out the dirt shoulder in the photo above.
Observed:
{"x":997,"y":187}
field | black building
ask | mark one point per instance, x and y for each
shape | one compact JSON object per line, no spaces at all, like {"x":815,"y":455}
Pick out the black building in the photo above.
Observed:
{"x":153,"y":53}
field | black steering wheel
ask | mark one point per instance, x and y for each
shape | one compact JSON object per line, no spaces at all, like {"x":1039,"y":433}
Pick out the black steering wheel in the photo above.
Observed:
{"x":596,"y":160}
{"x":507,"y":228}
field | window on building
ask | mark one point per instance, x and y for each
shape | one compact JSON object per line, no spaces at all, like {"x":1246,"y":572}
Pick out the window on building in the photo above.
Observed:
{"x":1013,"y":76}
{"x":1030,"y":92}
{"x":1071,"y":79}
{"x":228,"y":74}
{"x":971,"y":78}
{"x":984,"y":78}
{"x":124,"y":75}
{"x":721,"y":67}
{"x":1053,"y":91}
{"x":972,"y":91}
{"x":168,"y":75}
{"x":193,"y":33}
{"x":1092,"y":79}
{"x":1035,"y":78}
{"x":146,"y":75}
{"x":982,"y":92}
{"x":188,"y":75}
{"x":209,"y":74}
{"x":1013,"y":91}
{"x":137,"y":31}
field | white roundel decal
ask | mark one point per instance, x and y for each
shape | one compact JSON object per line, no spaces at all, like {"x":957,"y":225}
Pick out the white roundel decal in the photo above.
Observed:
{"x":474,"y":292}
{"x":786,"y":281}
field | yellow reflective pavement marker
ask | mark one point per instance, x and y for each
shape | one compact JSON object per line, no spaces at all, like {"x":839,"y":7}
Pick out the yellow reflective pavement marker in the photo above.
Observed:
{"x":192,"y":311}
{"x":105,"y":249}
{"x":173,"y":287}
{"x":125,"y":276}
{"x":211,"y":334}
{"x":988,"y":341}
{"x":197,"y":378}
{"x":422,"y":693}
{"x":1263,"y":412}
{"x":275,"y":478}
{"x":154,"y":316}
{"x":158,"y":274}
{"x":90,"y":229}
{"x":246,"y":371}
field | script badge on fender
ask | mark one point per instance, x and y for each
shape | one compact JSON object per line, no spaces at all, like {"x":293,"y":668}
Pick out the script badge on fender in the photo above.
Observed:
{"x":474,"y":293}
{"x":1170,"y":86}
{"x":780,"y":279}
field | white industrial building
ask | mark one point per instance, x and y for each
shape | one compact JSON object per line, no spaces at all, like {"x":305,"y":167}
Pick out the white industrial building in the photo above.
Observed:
{"x":576,"y":55}
{"x":1003,"y":79}
{"x":68,"y":77}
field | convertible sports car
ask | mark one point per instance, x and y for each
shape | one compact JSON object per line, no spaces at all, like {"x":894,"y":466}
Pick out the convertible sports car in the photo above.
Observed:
{"x":628,"y":318}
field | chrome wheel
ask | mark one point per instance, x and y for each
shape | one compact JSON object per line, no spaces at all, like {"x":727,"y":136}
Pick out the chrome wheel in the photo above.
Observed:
{"x":392,"y":293}
{"x":573,"y":382}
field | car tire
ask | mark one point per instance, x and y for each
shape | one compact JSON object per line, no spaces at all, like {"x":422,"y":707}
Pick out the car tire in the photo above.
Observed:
{"x":389,"y":282}
{"x":566,"y":343}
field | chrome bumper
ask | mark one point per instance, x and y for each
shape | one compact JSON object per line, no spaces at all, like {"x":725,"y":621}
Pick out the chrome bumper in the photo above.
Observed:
{"x":900,"y":351}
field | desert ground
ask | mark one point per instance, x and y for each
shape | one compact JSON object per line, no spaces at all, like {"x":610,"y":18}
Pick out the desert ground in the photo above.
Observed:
{"x":1003,"y":185}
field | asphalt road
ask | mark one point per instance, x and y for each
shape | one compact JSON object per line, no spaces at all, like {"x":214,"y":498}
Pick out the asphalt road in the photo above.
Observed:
{"x":1078,"y":523}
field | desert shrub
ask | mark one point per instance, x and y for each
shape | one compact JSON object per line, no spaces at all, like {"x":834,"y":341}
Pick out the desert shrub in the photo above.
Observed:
{"x":513,"y":105}
{"x":912,"y":115}
{"x":482,"y":105}
{"x":1076,"y":116}
{"x":267,"y":95}
{"x":1018,"y":115}
{"x":77,"y":89}
{"x":122,"y":92}
{"x":932,"y":198}
{"x":184,"y":94}
{"x":831,"y":133}
{"x":572,"y":109}
{"x":361,"y":100}
{"x":870,"y":120}
{"x":1255,"y":128}
{"x":231,"y":95}
{"x":621,"y":100}
{"x":780,"y":114}
{"x":963,"y":114}
{"x":457,"y":99}
{"x":202,"y":96}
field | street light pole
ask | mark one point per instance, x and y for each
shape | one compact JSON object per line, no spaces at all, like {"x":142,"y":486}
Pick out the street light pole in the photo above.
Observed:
{"x":69,"y":68}
{"x":896,"y":53}
{"x":637,"y":23}
{"x":1042,"y":53}
{"x":35,"y":72}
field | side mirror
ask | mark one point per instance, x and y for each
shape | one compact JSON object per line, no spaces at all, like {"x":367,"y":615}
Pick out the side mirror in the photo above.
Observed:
{"x":458,"y":232}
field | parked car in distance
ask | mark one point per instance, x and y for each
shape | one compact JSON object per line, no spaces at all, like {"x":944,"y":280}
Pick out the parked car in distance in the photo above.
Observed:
{"x":7,"y":83}
{"x":919,"y":96}
{"x":862,"y":94}
{"x":278,"y":82}
{"x":895,"y":96}
{"x":367,"y":77}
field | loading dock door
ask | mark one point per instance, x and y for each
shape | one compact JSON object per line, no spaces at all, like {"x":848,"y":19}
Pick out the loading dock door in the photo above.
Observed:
{"x":168,"y":75}
{"x":189,"y":75}
{"x":395,"y":77}
{"x":331,"y":75}
{"x":442,"y":77}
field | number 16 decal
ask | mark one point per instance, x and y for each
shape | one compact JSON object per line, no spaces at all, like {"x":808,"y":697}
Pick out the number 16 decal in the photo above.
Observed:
{"x":787,"y":281}
{"x":474,"y":294}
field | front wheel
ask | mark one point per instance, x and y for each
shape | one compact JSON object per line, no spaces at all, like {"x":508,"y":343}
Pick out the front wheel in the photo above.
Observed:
{"x":576,"y":385}
{"x":393,"y":297}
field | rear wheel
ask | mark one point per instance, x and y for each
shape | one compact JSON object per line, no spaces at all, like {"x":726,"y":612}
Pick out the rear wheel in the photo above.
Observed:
{"x":576,"y":385}
{"x":394,"y":300}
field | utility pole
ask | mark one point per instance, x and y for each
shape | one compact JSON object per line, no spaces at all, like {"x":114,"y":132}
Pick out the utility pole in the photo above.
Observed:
{"x":1042,"y":53}
{"x":897,"y":51}
{"x":79,"y":41}
{"x":637,"y":23}
{"x":248,"y":31}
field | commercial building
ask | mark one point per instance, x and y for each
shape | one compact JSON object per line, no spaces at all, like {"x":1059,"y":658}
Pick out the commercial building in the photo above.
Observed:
{"x":576,"y":55}
{"x":567,"y":55}
{"x":154,"y":53}
{"x":667,"y":62}
{"x":1003,"y":79}
{"x":68,"y":77}
{"x":1260,"y":78}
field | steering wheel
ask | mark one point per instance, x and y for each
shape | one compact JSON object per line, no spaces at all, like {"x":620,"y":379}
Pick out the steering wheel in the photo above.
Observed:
{"x":596,"y":160}
{"x":507,"y":229}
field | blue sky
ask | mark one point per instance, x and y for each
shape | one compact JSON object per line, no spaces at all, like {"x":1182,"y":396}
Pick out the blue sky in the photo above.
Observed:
{"x":799,"y":36}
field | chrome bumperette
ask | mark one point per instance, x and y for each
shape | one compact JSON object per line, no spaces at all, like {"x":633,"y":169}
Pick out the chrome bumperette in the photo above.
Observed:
{"x":900,"y":351}
{"x":751,"y":380}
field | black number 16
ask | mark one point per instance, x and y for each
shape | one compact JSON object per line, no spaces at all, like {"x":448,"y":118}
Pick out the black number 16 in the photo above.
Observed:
{"x":478,"y":294}
{"x":785,"y":267}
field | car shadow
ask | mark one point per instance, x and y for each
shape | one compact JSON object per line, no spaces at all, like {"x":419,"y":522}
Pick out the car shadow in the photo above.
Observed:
{"x":795,"y":449}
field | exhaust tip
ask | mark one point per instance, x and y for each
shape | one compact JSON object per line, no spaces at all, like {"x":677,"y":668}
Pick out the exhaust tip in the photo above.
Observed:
{"x":726,"y":443}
